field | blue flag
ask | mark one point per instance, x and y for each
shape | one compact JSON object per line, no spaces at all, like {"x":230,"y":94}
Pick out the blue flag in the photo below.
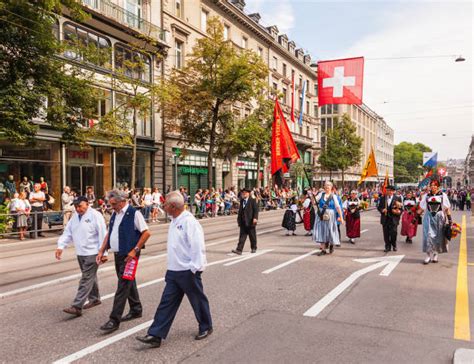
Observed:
{"x":303,"y":94}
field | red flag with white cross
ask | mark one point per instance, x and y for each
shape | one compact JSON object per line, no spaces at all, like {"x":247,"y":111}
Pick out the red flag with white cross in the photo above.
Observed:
{"x":340,"y":81}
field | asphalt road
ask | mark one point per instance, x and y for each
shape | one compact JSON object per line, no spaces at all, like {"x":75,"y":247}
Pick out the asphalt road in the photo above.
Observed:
{"x":258,"y":302}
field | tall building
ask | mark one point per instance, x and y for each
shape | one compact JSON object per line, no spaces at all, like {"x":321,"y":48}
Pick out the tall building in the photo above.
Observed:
{"x":469,"y":165}
{"x":187,"y":21}
{"x":375,"y":134}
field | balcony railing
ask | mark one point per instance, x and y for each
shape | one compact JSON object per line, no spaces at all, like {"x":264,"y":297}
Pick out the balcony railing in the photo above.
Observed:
{"x":127,"y":18}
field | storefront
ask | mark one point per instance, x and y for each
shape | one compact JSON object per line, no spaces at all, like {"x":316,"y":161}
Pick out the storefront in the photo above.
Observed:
{"x":143,"y":169}
{"x":41,"y":159}
{"x":191,"y":171}
{"x":247,"y":172}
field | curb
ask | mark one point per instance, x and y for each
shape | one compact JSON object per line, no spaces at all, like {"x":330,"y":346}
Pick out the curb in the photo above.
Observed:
{"x":463,"y":356}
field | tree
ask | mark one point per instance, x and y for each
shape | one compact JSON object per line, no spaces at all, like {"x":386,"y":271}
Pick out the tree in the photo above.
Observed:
{"x":197,"y":100}
{"x":408,"y":161}
{"x":253,"y":133}
{"x":33,"y":81}
{"x":343,"y":147}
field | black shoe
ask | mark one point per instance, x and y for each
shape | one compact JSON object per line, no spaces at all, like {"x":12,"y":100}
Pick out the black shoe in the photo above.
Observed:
{"x":321,"y":252}
{"x":131,"y":316}
{"x":153,"y":341}
{"x":331,"y":248}
{"x":235,"y":251}
{"x":253,"y":251}
{"x":110,"y":326}
{"x":386,"y":250}
{"x":352,"y":241}
{"x":394,"y":248}
{"x":204,"y":334}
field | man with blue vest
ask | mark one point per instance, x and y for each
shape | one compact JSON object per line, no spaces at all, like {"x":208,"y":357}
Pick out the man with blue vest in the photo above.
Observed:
{"x":126,"y":236}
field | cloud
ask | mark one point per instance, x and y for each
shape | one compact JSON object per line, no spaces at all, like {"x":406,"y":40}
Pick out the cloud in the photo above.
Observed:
{"x":274,"y":12}
{"x":423,"y":98}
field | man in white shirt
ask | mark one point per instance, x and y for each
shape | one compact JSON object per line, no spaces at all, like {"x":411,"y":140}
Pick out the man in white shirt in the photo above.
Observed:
{"x":37,"y":199}
{"x":67,"y":204}
{"x":186,"y":262}
{"x":127,"y":235}
{"x":86,"y":229}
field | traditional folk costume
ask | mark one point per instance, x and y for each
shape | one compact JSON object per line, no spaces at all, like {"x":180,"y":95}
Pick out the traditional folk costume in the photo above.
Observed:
{"x":325,"y":225}
{"x":409,"y":219}
{"x":289,"y":219}
{"x":434,"y":222}
{"x":308,"y":216}
{"x":352,"y":207}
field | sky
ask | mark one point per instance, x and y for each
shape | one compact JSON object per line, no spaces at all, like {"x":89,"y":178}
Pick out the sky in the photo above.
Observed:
{"x":422,"y":97}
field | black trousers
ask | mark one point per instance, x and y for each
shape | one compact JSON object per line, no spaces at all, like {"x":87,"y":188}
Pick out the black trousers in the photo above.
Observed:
{"x":251,"y":232}
{"x":179,"y":284}
{"x":390,"y":235}
{"x":37,"y":217}
{"x":126,"y":290}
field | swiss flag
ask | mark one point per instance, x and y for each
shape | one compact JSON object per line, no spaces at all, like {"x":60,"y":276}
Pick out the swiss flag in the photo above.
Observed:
{"x":340,"y":81}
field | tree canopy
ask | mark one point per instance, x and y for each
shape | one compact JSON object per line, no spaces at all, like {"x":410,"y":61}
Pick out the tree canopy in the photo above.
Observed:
{"x":198,"y":100}
{"x":408,"y":161}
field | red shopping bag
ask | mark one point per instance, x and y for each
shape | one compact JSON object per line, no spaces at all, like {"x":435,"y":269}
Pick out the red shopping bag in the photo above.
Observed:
{"x":130,"y":269}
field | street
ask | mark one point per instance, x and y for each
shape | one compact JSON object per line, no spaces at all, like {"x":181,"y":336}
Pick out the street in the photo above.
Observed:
{"x":282,"y":304}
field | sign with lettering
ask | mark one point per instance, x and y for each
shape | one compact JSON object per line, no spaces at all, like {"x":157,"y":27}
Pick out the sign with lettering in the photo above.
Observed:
{"x":193,"y":170}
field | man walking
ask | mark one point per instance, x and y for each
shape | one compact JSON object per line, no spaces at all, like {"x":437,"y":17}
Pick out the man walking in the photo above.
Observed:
{"x":247,"y":220}
{"x":390,"y":210}
{"x":86,"y":229}
{"x":186,"y":262}
{"x":127,"y":235}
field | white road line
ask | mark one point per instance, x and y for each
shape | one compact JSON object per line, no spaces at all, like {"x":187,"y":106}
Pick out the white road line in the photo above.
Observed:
{"x":250,"y":256}
{"x":102,"y":344}
{"x":105,"y":269}
{"x":364,"y":231}
{"x":268,"y":271}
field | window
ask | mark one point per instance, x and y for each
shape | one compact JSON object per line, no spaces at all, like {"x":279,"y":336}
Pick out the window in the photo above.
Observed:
{"x":244,"y":42}
{"x":285,"y":96}
{"x":132,"y":63}
{"x":307,"y":107}
{"x":301,"y":81}
{"x":178,"y":50}
{"x":178,"y":7}
{"x":84,"y":45}
{"x":315,"y":135}
{"x":315,"y":89}
{"x":104,"y":104}
{"x":284,"y":69}
{"x":143,"y":119}
{"x":315,"y":111}
{"x":260,"y":52}
{"x":275,"y":86}
{"x":226,"y":32}
{"x":308,"y":132}
{"x":275,"y":63}
{"x":204,"y":15}
{"x":133,"y":15}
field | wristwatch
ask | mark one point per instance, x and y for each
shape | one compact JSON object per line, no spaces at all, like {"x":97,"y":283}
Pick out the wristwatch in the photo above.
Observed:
{"x":137,"y":249}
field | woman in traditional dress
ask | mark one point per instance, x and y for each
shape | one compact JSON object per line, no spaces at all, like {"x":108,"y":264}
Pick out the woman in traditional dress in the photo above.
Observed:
{"x":352,"y":213}
{"x":409,"y":217}
{"x":289,"y":218}
{"x":325,"y":227}
{"x":308,"y":213}
{"x":437,"y":209}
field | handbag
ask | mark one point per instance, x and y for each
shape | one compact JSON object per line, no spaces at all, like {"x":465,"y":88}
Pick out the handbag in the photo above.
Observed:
{"x":323,"y":214}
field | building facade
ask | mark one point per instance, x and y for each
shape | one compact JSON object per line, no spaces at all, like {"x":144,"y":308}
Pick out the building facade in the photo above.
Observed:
{"x":469,"y":165}
{"x":187,"y":21}
{"x":375,"y":133}
{"x":113,"y":27}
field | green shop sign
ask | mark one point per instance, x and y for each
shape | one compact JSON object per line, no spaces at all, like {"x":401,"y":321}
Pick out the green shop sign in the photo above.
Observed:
{"x":193,"y":170}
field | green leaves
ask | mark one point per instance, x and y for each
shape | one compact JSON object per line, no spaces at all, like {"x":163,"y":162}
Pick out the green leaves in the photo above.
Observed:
{"x":408,"y":161}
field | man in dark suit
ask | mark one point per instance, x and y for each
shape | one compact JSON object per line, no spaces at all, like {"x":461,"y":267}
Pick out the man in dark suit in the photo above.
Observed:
{"x":247,"y":220}
{"x":390,"y":217}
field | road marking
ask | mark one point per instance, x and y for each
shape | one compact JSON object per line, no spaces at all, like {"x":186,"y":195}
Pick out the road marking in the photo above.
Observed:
{"x":268,"y":271}
{"x":462,"y":329}
{"x":390,"y":263}
{"x":105,"y":269}
{"x":364,"y":231}
{"x":250,"y":256}
{"x":102,"y":344}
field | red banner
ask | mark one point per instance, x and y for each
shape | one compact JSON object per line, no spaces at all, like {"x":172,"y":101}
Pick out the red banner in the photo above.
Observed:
{"x":284,"y":148}
{"x":340,"y":81}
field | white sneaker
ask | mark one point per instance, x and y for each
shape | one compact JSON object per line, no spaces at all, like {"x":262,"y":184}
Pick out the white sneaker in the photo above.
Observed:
{"x":427,"y":260}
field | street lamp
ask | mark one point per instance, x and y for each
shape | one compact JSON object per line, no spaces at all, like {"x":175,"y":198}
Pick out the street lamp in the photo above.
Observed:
{"x":460,"y":59}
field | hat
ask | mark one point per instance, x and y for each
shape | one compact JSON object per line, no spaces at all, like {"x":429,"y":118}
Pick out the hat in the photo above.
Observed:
{"x":391,"y":187}
{"x":246,"y":190}
{"x":80,"y":199}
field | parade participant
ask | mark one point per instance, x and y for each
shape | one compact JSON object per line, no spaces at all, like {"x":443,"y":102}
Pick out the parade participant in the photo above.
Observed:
{"x":67,"y":200}
{"x":308,"y":214}
{"x":289,"y":218}
{"x":338,"y":217}
{"x":127,"y":235}
{"x":186,"y":262}
{"x":325,"y":226}
{"x":409,"y":217}
{"x":390,"y":208}
{"x":247,"y":220}
{"x":437,"y":210}
{"x":86,"y":229}
{"x":352,"y":214}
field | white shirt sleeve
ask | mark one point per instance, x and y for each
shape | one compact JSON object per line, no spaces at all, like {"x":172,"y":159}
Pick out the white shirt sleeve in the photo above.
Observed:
{"x":336,"y":202}
{"x":423,"y":203}
{"x":195,"y":237}
{"x":446,"y":203}
{"x":66,"y":237}
{"x":101,"y":228}
{"x":306,"y":203}
{"x":345,"y":204}
{"x":140,"y":223}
